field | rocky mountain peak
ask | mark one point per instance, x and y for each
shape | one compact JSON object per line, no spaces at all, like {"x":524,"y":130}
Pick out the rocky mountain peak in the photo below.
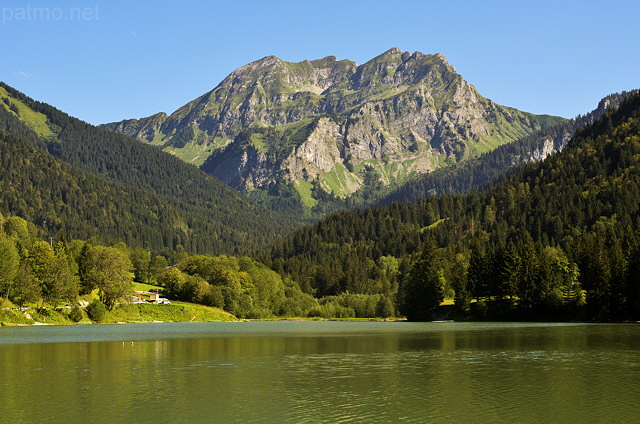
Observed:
{"x":333,"y":125}
{"x":444,"y":60}
{"x":265,"y":62}
{"x":392,"y":51}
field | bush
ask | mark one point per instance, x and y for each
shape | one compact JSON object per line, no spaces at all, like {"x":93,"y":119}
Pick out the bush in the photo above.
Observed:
{"x":479,"y":309}
{"x":214,"y":297}
{"x":316,"y":312}
{"x":76,"y":314}
{"x":259,"y":313}
{"x":384,"y":308}
{"x":96,"y":311}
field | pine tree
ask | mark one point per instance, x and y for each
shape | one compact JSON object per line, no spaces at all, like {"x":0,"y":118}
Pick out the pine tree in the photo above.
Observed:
{"x":423,"y":288}
{"x":459,"y":283}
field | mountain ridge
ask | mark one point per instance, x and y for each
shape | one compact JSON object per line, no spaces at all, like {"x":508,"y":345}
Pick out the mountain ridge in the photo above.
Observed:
{"x":487,"y":169}
{"x":397,"y":115}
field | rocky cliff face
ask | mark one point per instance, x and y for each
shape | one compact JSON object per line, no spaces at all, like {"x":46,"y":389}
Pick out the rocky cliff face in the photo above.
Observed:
{"x":328,"y":122}
{"x":549,"y":145}
{"x":318,"y":154}
{"x":544,"y":145}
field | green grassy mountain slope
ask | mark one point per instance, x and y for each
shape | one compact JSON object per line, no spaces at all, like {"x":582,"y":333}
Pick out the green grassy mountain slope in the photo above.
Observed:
{"x":330,"y":127}
{"x":89,"y":181}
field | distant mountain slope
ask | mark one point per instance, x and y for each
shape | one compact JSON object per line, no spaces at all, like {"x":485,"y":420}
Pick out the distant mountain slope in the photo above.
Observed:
{"x":485,"y":169}
{"x":329,"y":127}
{"x":141,"y":194}
{"x":550,"y":234}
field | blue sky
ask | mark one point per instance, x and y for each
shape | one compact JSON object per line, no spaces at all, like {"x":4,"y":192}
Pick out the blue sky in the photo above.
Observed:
{"x":105,"y":61}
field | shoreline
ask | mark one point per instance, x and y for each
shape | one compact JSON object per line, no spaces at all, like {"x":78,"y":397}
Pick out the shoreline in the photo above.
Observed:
{"x":274,"y":319}
{"x":188,"y":312}
{"x":124,"y":314}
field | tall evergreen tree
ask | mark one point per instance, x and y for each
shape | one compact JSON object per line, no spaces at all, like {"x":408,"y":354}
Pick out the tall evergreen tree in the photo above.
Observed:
{"x":423,"y":288}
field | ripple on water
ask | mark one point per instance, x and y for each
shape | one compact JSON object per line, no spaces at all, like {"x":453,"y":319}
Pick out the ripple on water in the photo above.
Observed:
{"x":435,"y":374}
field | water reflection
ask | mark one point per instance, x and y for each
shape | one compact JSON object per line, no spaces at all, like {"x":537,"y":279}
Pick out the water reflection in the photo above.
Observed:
{"x":324,"y":372}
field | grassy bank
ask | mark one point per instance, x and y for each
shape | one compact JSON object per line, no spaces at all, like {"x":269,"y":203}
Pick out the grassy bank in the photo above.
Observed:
{"x":134,"y":313}
{"x":176,"y":312}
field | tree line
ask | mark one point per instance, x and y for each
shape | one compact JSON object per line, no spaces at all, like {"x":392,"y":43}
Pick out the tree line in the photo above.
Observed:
{"x":39,"y":272}
{"x":35,"y":272}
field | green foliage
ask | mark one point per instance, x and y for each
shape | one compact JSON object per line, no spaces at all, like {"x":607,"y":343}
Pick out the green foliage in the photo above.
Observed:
{"x":241,"y":286}
{"x":27,"y":287}
{"x":48,"y":273}
{"x":350,"y":305}
{"x":108,"y":270}
{"x":141,"y":261}
{"x":17,"y":229}
{"x":460,"y":283}
{"x":96,"y":310}
{"x":51,"y":271}
{"x":296,"y":303}
{"x":423,"y":288}
{"x":9,"y":265}
{"x":385,"y":308}
{"x":331,"y":310}
{"x":13,"y":317}
{"x":97,"y":186}
{"x":167,"y":313}
{"x":76,"y":314}
{"x":249,"y":289}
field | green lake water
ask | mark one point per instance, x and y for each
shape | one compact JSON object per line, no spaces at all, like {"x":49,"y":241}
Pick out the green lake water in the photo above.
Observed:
{"x":321,"y":372}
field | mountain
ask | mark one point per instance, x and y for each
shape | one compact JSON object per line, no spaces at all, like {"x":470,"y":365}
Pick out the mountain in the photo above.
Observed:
{"x":328,"y":128}
{"x":490,"y":167}
{"x":558,"y":239}
{"x":64,"y":174}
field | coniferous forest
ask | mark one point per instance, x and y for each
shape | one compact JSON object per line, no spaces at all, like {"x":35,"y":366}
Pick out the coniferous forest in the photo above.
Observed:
{"x":72,"y":176}
{"x":551,"y":240}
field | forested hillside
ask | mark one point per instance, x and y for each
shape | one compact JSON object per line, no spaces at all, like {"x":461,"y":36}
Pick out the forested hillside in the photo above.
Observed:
{"x":558,"y":239}
{"x":40,"y":274}
{"x":491,"y":166}
{"x":64,"y":174}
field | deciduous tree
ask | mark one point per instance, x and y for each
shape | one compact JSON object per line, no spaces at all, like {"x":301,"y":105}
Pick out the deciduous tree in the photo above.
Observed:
{"x":109,"y":269}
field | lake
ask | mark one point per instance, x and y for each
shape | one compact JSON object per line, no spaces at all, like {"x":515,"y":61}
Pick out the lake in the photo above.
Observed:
{"x":321,"y":372}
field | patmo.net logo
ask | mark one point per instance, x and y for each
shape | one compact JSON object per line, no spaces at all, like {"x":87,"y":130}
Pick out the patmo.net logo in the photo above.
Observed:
{"x":29,"y":13}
